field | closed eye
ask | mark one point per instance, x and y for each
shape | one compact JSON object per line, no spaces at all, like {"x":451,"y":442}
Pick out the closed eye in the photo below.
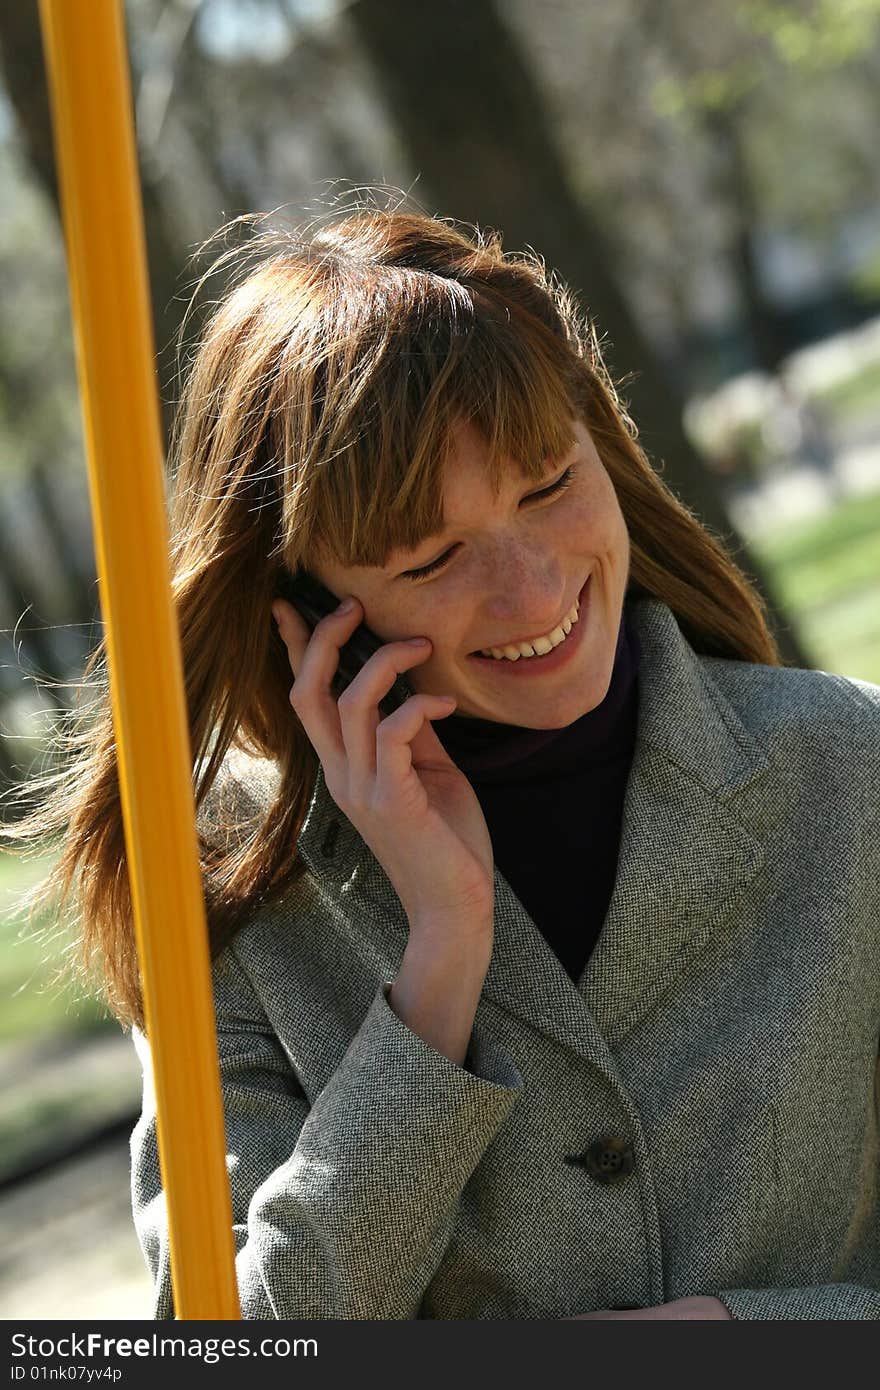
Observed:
{"x":552,"y":491}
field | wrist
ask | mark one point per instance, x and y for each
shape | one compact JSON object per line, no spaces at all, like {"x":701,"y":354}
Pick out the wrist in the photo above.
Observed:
{"x":436,"y":995}
{"x":463,"y":951}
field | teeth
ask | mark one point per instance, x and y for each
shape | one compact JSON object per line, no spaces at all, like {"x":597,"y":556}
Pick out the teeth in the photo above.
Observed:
{"x":541,"y":645}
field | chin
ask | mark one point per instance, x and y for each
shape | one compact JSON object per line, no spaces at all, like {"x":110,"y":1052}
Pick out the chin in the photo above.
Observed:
{"x":598,"y":692}
{"x":558,"y":713}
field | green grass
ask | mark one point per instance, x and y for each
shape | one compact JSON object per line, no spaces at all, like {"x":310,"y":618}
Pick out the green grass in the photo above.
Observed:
{"x":34,"y":1004}
{"x":854,"y":393}
{"x":826,"y":575}
{"x":61,"y":1099}
{"x":53,"y":1093}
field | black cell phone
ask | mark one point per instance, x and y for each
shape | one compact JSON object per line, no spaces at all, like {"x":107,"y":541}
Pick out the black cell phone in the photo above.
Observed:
{"x":313,"y":601}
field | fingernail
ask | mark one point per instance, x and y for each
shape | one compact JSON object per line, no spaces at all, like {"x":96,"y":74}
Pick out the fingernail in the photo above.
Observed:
{"x":346,"y":605}
{"x":417,"y":641}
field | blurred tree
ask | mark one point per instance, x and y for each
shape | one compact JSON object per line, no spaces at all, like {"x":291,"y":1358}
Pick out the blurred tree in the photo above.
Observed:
{"x":664,"y":189}
{"x":23,"y":72}
{"x":728,"y":70}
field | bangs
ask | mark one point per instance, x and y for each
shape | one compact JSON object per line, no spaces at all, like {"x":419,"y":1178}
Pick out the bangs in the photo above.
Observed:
{"x":429,"y":354}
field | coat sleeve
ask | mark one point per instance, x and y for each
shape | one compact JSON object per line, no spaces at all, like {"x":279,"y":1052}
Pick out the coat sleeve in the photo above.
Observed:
{"x":341,"y":1209}
{"x":822,"y":1302}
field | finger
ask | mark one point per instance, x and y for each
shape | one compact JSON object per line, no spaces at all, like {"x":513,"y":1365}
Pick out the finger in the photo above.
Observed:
{"x":314,"y":654}
{"x":314,"y":660}
{"x":395,"y":735}
{"x":292,"y":631}
{"x":359,"y":707}
{"x":296,"y":634}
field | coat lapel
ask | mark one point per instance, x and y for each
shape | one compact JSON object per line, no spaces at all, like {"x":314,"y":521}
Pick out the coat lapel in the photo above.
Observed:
{"x":685,"y":859}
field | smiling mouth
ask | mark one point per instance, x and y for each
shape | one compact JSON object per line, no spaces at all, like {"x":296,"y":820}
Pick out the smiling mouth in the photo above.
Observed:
{"x":570,"y":616}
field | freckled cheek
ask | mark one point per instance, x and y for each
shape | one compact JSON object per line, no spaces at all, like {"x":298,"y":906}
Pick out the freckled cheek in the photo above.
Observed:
{"x":583,"y":529}
{"x":448,"y":639}
{"x":601,"y":523}
{"x":444,"y":621}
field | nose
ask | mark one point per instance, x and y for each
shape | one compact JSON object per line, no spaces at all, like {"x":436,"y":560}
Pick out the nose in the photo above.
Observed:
{"x":527,"y":594}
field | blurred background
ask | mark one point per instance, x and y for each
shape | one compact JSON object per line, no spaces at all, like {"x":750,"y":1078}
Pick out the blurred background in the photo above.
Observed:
{"x":703,"y":173}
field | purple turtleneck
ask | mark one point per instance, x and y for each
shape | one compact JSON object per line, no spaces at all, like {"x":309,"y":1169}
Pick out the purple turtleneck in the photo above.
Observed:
{"x":553,"y":802}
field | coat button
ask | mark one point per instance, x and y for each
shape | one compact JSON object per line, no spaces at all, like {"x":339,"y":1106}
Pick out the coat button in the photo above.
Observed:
{"x":609,"y":1159}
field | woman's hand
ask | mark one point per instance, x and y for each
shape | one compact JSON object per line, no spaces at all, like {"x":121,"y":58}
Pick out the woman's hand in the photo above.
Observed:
{"x":392,"y":777}
{"x":697,"y":1309}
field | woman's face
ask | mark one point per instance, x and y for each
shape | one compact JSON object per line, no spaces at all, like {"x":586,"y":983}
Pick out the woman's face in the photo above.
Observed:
{"x":513,"y":568}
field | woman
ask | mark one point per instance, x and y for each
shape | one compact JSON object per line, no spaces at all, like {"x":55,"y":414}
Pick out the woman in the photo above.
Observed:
{"x":553,"y":993}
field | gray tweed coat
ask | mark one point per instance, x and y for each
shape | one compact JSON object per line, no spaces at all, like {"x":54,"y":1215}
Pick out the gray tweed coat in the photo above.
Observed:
{"x":697,"y":1115}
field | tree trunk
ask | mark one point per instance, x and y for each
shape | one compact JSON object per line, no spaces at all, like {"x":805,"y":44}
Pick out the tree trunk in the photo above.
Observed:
{"x":735,"y":184}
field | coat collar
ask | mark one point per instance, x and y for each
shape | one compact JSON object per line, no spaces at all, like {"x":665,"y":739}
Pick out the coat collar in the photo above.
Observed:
{"x":685,"y":858}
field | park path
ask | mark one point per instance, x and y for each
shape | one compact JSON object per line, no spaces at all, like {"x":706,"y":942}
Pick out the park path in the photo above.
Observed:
{"x":69,"y":1247}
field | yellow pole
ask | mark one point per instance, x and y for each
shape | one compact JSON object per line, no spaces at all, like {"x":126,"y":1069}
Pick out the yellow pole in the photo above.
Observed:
{"x":89,"y":82}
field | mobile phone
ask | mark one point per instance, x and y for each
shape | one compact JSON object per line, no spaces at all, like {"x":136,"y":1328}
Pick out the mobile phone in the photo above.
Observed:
{"x":313,"y":601}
